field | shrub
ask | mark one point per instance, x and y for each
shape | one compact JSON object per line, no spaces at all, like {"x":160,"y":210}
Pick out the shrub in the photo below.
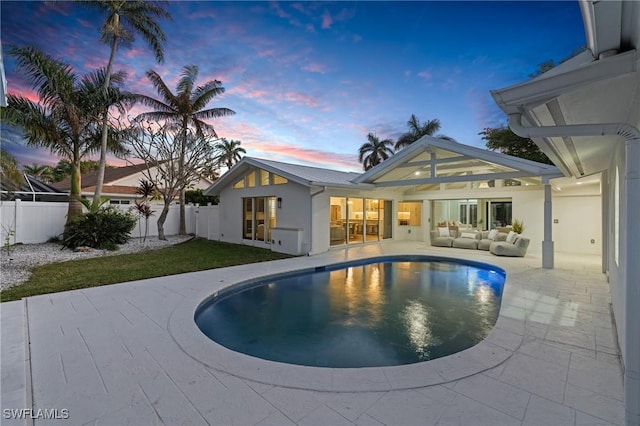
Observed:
{"x":102,"y":228}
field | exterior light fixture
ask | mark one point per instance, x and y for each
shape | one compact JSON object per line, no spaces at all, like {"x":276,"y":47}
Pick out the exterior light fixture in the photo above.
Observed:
{"x":279,"y":202}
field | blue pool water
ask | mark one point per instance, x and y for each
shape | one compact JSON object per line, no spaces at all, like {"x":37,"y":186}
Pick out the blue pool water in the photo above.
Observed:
{"x":387,"y":312}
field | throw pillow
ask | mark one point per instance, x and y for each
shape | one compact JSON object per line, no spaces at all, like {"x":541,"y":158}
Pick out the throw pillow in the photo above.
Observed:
{"x":443,"y":232}
{"x":468,"y":235}
{"x":492,"y":234}
{"x":511,"y":238}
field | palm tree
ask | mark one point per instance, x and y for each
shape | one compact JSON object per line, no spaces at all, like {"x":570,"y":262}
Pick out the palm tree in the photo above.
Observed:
{"x":375,"y":151}
{"x":9,"y":171}
{"x":230,"y":152}
{"x":41,"y":171}
{"x":183,"y":109}
{"x":66,"y":118}
{"x":417,"y":130}
{"x":125,"y":18}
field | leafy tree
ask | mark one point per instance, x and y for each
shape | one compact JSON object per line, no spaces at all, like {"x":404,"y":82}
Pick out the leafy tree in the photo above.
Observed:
{"x":196,"y":196}
{"x":550,"y":64}
{"x":9,"y":171}
{"x":375,"y":151}
{"x":125,"y":18}
{"x":503,"y":140}
{"x":62,"y":170}
{"x":185,"y":108}
{"x":230,"y":152}
{"x":171,"y":167}
{"x":41,"y":171}
{"x":417,"y":130}
{"x":65,"y":119}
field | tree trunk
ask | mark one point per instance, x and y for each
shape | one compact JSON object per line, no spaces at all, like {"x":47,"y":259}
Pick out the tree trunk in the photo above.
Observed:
{"x":183,"y":221}
{"x":161,"y":219}
{"x":75,"y":207}
{"x":102,"y":165}
{"x":182,"y":230}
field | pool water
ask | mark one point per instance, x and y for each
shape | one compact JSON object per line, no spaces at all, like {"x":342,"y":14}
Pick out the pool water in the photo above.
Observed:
{"x":363,"y":315}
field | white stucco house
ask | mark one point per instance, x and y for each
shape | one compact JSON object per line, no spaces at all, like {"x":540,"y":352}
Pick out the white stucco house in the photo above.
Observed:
{"x":308,"y":210}
{"x":585,"y":115}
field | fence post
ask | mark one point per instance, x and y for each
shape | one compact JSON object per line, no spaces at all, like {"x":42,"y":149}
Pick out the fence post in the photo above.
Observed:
{"x":17,"y":220}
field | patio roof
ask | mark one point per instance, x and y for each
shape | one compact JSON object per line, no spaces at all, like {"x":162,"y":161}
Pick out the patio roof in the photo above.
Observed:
{"x":433,"y":161}
{"x":600,"y":85}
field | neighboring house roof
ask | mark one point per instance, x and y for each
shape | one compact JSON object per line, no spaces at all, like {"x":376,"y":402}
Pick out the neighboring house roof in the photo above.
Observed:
{"x":115,"y":179}
{"x":598,"y":86}
{"x":303,"y":175}
{"x":111,"y":174}
{"x":30,"y":188}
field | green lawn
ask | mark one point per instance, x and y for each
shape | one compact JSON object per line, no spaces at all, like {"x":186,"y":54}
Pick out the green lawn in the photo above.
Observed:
{"x":195,"y":255}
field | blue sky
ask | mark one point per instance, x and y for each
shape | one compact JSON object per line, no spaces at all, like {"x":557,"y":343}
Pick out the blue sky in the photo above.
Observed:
{"x":309,"y":80}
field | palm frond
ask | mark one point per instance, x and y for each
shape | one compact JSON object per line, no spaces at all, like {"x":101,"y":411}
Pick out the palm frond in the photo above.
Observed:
{"x":188,"y":76}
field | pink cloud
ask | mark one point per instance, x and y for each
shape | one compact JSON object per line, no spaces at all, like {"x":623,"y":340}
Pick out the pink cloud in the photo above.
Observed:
{"x":86,"y":24}
{"x":260,"y":142}
{"x":327,"y":20}
{"x":300,"y":98}
{"x":315,"y":67}
{"x":426,"y":74}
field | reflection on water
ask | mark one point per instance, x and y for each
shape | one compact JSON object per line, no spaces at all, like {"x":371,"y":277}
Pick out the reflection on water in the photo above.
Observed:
{"x":385,"y":313}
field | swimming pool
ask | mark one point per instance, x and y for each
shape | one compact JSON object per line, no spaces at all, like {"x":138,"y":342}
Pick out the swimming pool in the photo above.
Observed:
{"x":382,"y":312}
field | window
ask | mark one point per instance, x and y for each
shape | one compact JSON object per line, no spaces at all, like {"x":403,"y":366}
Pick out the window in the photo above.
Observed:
{"x":259,"y":177}
{"x":259,"y":218}
{"x":358,"y":220}
{"x":410,"y":213}
{"x":279,"y":180}
{"x":265,"y":178}
{"x":251,"y":180}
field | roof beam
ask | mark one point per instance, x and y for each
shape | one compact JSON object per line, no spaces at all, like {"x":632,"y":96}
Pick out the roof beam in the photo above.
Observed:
{"x":436,"y":161}
{"x":462,"y":178}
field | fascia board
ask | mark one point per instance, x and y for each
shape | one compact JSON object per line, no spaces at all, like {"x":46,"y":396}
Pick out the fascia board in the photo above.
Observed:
{"x":541,"y":90}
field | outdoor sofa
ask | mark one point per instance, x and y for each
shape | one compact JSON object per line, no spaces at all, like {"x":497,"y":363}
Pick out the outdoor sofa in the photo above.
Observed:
{"x":496,"y":242}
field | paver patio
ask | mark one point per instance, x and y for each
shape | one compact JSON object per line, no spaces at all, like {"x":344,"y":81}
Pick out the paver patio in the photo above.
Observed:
{"x":131,"y":354}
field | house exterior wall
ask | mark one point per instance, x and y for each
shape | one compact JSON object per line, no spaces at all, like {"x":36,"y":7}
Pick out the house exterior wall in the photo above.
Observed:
{"x":294,"y":213}
{"x":617,"y":257}
{"x":579,"y":222}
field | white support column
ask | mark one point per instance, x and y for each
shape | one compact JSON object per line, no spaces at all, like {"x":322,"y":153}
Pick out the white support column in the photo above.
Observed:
{"x":547,"y":243}
{"x":632,"y":283}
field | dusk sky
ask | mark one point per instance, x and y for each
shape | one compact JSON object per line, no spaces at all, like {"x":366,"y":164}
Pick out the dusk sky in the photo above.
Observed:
{"x":309,"y":80}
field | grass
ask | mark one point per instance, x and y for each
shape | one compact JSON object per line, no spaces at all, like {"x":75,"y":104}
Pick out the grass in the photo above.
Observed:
{"x":195,"y":255}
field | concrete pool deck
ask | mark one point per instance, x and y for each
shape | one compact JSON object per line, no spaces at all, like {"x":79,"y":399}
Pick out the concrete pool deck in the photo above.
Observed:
{"x":131,"y":354}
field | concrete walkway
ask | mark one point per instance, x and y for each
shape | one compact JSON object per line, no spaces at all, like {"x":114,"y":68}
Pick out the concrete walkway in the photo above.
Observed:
{"x":131,"y":354}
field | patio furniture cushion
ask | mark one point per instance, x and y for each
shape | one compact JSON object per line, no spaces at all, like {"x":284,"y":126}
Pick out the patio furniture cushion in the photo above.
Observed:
{"x":438,"y":241}
{"x":517,"y":249}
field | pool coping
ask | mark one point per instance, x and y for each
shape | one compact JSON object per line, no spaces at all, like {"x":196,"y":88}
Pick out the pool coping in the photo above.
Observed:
{"x":501,"y":343}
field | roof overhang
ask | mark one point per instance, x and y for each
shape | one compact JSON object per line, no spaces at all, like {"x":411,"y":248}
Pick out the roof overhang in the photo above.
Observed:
{"x":441,"y":161}
{"x":601,"y":85}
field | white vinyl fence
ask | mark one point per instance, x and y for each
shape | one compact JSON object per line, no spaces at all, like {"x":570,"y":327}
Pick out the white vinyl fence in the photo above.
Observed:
{"x":36,"y":222}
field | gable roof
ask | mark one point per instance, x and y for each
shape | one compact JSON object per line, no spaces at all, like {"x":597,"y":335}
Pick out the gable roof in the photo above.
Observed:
{"x":111,"y":174}
{"x":438,"y":160}
{"x":303,"y":175}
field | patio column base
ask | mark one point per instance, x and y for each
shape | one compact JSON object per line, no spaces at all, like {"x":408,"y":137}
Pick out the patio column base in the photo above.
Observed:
{"x":547,"y":254}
